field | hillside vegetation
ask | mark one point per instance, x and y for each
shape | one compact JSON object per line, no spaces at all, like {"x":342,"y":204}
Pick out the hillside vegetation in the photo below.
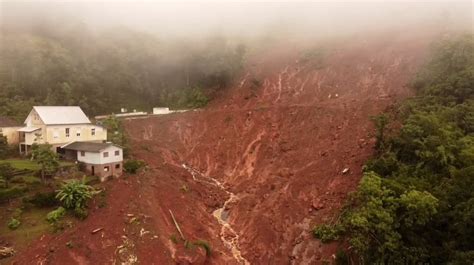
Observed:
{"x":103,"y":71}
{"x":415,"y":202}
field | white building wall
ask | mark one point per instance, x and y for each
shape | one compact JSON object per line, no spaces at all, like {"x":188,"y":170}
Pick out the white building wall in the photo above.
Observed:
{"x":99,"y":159}
{"x":112,"y":158}
{"x":161,"y":110}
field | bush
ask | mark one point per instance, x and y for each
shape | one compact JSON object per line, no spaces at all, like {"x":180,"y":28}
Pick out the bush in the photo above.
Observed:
{"x":132,"y":166}
{"x":80,"y":213}
{"x":14,"y":223}
{"x":326,"y":233}
{"x":75,"y":194}
{"x":55,"y":215}
{"x":205,"y":245}
{"x":47,"y":199}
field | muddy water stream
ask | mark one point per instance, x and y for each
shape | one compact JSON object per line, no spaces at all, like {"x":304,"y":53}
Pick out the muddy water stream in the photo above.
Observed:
{"x":227,"y":234}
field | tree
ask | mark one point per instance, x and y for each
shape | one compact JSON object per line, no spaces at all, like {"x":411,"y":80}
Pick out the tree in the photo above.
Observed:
{"x":46,"y":158}
{"x":6,"y":173}
{"x":3,"y":146}
{"x":380,"y":123}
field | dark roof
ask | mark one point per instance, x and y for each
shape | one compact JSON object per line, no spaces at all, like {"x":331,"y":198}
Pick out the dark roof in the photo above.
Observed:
{"x":7,"y":122}
{"x":87,"y":146}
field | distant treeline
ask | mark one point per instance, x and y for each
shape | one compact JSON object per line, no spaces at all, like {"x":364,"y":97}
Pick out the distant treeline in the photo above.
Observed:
{"x":71,"y":65}
{"x":415,"y":202}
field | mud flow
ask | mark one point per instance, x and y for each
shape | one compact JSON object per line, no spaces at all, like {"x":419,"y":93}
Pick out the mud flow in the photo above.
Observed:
{"x":254,"y":171}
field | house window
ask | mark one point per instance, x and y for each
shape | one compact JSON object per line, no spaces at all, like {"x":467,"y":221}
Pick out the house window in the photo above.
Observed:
{"x":67,"y":132}
{"x":93,"y":131}
{"x":117,"y":166}
{"x":106,"y":154}
{"x":117,"y":152}
{"x":106,"y":168}
{"x":83,"y":153}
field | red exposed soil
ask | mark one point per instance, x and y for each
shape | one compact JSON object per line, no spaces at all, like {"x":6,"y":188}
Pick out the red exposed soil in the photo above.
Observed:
{"x":279,"y":140}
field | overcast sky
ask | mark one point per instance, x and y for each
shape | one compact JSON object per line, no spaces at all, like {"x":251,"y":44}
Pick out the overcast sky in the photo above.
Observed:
{"x":240,"y":18}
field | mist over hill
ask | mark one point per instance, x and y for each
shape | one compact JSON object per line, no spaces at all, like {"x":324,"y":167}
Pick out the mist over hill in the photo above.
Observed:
{"x":104,"y":56}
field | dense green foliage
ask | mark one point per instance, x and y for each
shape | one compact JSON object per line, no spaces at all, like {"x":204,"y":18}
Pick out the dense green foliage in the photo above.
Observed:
{"x":74,"y":194}
{"x":132,"y":165}
{"x":46,"y":158}
{"x":102,"y":71}
{"x":14,"y":223}
{"x":115,"y":133}
{"x":46,"y":199}
{"x":6,"y":173}
{"x":55,"y":215}
{"x":415,"y":202}
{"x":4,"y":148}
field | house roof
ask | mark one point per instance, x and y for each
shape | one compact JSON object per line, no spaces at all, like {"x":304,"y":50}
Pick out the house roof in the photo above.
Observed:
{"x":7,"y":122}
{"x":88,"y":146}
{"x":28,"y":129}
{"x":61,"y":114}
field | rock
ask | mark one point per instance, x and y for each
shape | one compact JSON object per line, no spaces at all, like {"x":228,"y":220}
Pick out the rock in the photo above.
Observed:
{"x":317,"y":204}
{"x":345,"y":170}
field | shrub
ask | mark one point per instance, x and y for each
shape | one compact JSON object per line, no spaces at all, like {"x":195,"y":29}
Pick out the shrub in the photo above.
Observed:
{"x":174,"y":239}
{"x":342,"y":258}
{"x":80,"y":213}
{"x":132,"y":166}
{"x":14,"y":223}
{"x":326,"y":233}
{"x":75,"y":194}
{"x":55,"y":215}
{"x":205,"y":245}
{"x":6,"y":173}
{"x":47,"y":199}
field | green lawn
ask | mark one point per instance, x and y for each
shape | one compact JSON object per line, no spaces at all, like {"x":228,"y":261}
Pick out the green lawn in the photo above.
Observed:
{"x":28,"y":164}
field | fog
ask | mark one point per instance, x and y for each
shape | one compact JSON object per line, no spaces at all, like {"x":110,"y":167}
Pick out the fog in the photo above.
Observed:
{"x":245,"y":19}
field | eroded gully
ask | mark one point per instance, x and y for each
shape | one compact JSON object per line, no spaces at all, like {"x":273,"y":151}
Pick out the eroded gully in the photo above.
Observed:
{"x":227,"y":234}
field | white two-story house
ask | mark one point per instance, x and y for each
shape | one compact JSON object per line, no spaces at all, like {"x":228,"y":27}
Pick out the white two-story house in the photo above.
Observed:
{"x":98,"y":159}
{"x":57,"y":126}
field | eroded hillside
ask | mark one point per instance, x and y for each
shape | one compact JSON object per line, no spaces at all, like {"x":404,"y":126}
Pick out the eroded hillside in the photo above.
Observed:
{"x":273,"y":146}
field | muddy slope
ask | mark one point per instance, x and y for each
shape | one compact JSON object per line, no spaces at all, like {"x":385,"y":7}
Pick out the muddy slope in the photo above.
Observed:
{"x":268,"y":155}
{"x":281,"y":137}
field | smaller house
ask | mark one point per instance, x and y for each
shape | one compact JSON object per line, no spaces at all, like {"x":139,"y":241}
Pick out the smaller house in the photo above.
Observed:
{"x":104,"y":160}
{"x":9,"y":129}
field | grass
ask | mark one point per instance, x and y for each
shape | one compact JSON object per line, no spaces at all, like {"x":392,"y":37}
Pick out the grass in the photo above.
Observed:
{"x":23,"y":164}
{"x":33,"y":225}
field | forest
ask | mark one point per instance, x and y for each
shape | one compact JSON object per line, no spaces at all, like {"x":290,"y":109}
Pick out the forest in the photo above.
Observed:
{"x":104,"y":70}
{"x":415,"y":202}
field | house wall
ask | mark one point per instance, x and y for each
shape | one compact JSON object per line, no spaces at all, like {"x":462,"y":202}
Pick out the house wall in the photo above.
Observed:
{"x":12,"y":134}
{"x":99,"y":170}
{"x":161,"y":111}
{"x":30,"y":137}
{"x":56,"y":134}
{"x":33,"y":119}
{"x":98,"y":158}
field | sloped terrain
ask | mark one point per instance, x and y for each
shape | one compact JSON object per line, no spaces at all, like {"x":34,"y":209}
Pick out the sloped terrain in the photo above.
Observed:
{"x":273,"y":147}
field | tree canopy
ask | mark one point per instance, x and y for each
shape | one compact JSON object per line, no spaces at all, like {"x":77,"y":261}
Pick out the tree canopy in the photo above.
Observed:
{"x":103,"y":71}
{"x":415,"y":202}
